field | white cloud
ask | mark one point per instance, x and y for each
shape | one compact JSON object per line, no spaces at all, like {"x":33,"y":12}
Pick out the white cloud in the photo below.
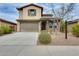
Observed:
{"x":10,"y":17}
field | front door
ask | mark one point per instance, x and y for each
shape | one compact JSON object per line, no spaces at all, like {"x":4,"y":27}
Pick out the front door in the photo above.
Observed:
{"x":43,"y":25}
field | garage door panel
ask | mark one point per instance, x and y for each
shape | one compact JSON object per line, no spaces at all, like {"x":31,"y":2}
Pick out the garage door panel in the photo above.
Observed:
{"x":29,"y":26}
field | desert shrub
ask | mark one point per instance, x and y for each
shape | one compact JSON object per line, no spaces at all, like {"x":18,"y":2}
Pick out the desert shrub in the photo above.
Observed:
{"x":62,"y":26}
{"x":75,"y":30}
{"x":1,"y":31}
{"x":6,"y":29}
{"x":12,"y":28}
{"x":44,"y":37}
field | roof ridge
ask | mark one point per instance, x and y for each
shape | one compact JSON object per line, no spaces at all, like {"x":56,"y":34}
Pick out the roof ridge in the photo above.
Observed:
{"x":29,"y":5}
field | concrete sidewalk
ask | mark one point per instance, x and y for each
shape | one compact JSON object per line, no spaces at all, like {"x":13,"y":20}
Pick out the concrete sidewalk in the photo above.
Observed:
{"x":26,"y":50}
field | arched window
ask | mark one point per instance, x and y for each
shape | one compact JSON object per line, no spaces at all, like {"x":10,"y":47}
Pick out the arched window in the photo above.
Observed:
{"x":31,"y":12}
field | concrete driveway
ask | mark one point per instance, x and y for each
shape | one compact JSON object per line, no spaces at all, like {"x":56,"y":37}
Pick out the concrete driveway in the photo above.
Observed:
{"x":19,"y":38}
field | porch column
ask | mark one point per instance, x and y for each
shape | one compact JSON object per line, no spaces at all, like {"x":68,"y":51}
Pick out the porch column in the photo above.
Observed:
{"x":18,"y":26}
{"x":58,"y":25}
{"x":47,"y":25}
{"x":39,"y":26}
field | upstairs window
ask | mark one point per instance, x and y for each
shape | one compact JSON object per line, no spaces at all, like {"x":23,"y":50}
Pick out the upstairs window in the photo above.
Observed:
{"x":32,"y":12}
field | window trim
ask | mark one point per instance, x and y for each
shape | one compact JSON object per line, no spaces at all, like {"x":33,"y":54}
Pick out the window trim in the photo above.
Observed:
{"x":29,"y":12}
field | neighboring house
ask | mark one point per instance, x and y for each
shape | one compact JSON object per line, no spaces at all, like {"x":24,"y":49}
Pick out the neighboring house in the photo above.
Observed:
{"x":31,"y":18}
{"x":71,"y":23}
{"x":8,"y":23}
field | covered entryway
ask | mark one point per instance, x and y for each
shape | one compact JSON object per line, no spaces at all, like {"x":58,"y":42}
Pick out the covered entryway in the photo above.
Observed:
{"x":29,"y":26}
{"x":43,"y":25}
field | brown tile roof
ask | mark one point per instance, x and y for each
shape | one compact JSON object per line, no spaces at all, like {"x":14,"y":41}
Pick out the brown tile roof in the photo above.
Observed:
{"x":29,"y":5}
{"x":47,"y":15}
{"x":7,"y":21}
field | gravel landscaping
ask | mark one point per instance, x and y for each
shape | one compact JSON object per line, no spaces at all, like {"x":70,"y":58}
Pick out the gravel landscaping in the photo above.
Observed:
{"x":58,"y":38}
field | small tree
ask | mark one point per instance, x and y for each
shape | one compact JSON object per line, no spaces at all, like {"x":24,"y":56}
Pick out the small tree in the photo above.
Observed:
{"x":62,"y":26}
{"x":63,"y":12}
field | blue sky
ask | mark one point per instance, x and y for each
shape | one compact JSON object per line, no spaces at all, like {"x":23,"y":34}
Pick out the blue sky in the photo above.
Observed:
{"x":8,"y":10}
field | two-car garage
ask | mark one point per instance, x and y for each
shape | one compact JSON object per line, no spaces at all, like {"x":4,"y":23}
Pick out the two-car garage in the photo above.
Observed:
{"x":32,"y":26}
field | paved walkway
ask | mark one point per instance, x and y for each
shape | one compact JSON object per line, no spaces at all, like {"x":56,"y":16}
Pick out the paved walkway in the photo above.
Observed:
{"x":25,"y":50}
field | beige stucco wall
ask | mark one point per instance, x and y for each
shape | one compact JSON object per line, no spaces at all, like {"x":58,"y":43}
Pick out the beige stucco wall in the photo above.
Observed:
{"x":20,"y":14}
{"x":23,"y":14}
{"x":18,"y":26}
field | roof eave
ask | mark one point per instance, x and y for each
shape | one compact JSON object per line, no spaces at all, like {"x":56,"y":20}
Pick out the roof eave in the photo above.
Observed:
{"x":29,"y":5}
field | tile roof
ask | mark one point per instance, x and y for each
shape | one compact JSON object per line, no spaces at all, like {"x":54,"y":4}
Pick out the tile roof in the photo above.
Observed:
{"x":28,"y":6}
{"x":7,"y":21}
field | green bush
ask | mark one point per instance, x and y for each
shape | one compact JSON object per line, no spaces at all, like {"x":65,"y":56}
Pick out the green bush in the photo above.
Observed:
{"x":1,"y":31}
{"x":75,"y":30}
{"x":6,"y":29}
{"x":62,"y":26}
{"x":44,"y":37}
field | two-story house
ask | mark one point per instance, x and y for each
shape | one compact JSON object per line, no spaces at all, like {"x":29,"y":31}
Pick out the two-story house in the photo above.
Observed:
{"x":31,"y":18}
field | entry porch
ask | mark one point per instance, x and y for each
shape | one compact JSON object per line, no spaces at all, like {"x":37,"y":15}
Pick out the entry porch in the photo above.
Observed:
{"x":47,"y":24}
